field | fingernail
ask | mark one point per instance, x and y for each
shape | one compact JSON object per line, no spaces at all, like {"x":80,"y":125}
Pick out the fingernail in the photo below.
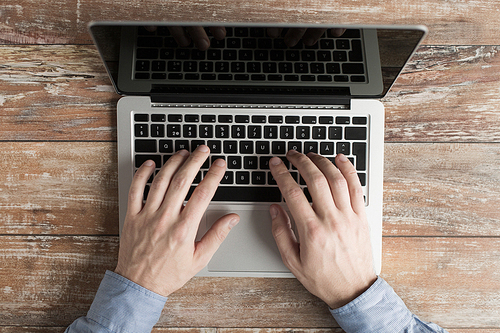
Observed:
{"x":203,"y":149}
{"x":292,"y":152}
{"x":273,"y":211}
{"x":220,"y":162}
{"x":183,"y":152}
{"x":234,"y":221}
{"x":275,"y":161}
{"x":149,"y":163}
{"x":203,"y":44}
{"x":342,"y":158}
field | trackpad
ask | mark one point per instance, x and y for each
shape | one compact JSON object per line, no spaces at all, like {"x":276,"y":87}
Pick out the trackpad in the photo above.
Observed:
{"x":249,"y":247}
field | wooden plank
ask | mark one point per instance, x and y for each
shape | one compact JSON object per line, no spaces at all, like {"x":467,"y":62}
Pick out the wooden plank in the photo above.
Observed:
{"x":50,"y":281}
{"x":442,"y":189}
{"x":62,"y":93}
{"x":39,"y":22}
{"x":58,"y":188}
{"x":71,"y":188}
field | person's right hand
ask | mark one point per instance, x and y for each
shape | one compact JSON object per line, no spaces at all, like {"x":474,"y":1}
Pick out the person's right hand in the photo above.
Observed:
{"x":333,"y":259}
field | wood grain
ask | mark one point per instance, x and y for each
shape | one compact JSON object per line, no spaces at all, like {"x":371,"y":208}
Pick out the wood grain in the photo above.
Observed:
{"x":64,"y":21}
{"x":63,"y":93}
{"x":50,"y":281}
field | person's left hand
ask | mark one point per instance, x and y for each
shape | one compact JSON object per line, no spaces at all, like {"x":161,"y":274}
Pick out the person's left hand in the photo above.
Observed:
{"x":157,"y":247}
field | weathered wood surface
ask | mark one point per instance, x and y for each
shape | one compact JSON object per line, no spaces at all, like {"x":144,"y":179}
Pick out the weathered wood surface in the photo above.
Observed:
{"x":63,"y":93}
{"x":430,"y":189}
{"x":64,"y":22}
{"x":50,"y":281}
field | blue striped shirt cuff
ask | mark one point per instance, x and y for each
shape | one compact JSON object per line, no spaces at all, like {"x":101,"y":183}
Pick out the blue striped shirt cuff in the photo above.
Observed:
{"x":121,"y":305}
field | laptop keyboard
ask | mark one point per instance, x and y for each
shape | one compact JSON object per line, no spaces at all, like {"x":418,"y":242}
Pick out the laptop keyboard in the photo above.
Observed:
{"x":248,"y":54}
{"x":247,"y":143}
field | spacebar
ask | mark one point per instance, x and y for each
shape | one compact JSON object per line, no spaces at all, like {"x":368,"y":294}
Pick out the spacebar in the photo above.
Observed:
{"x":247,"y":194}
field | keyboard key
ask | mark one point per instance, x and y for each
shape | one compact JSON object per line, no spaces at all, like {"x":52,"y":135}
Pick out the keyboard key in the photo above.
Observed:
{"x":206,"y":131}
{"x":234,"y":162}
{"x":208,"y":118}
{"x":158,"y":118}
{"x":238,"y":131}
{"x":158,"y":130}
{"x":242,"y":177}
{"x":301,"y":67}
{"x":250,"y":162}
{"x":270,"y":179}
{"x":222,"y":131}
{"x":319,"y":132}
{"x":228,"y":178}
{"x":230,"y":147}
{"x":191,"y":118}
{"x":359,"y":150}
{"x":295,"y":145}
{"x":310,"y":147}
{"x":362,"y":178}
{"x":140,"y":159}
{"x":254,"y":132}
{"x":335,"y":133}
{"x":174,"y":118}
{"x":174,"y":131}
{"x":141,"y":130}
{"x":333,"y":68}
{"x":303,"y":132}
{"x":241,"y":119}
{"x":247,"y":194}
{"x":326,"y":148}
{"x":211,"y":77}
{"x":353,"y":68}
{"x":286,"y":132}
{"x":292,"y":119}
{"x":343,"y":120}
{"x":166,"y":146}
{"x":246,"y":147}
{"x":317,"y":68}
{"x":279,"y":147}
{"x":359,"y":120}
{"x":276,"y":119}
{"x":145,"y":146}
{"x":340,"y":56}
{"x":326,"y":120}
{"x":341,"y":78}
{"x":343,"y":148}
{"x":142,"y":117}
{"x":142,"y":65}
{"x":355,"y":133}
{"x":270,"y":132}
{"x":181,"y":144}
{"x":262,"y":147}
{"x":225,"y":118}
{"x":258,"y":119}
{"x":258,"y":178}
{"x":189,"y":131}
{"x":215,"y":146}
{"x":196,"y":143}
{"x":264,"y":162}
{"x":309,"y":119}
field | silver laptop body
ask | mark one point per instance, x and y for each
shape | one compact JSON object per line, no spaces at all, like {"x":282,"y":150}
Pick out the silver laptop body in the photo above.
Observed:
{"x":250,"y":97}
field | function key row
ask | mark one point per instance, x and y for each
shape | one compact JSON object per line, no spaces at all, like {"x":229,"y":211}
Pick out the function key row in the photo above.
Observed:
{"x":245,"y":119}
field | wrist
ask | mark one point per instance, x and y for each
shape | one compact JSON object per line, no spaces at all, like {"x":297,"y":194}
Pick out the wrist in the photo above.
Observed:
{"x":351,"y":294}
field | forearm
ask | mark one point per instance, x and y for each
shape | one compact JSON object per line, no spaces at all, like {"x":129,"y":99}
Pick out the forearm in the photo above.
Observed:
{"x":379,"y":309}
{"x":120,"y":305}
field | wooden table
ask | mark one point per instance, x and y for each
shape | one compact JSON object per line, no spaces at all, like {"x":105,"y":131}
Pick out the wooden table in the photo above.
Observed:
{"x":58,"y":168}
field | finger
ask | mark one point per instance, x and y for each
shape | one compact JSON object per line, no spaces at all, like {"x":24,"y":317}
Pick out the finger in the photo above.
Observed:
{"x":136,"y":192}
{"x":285,"y":237}
{"x":353,"y":183}
{"x":218,"y":32}
{"x":162,"y":180}
{"x":294,"y":35}
{"x":199,"y":37}
{"x":312,"y":35}
{"x":295,"y":199}
{"x":316,"y":181}
{"x":213,"y":238}
{"x":337,"y":32}
{"x":181,"y":182}
{"x":204,"y":192}
{"x":274,"y":32}
{"x":337,"y":182}
{"x":180,"y":36}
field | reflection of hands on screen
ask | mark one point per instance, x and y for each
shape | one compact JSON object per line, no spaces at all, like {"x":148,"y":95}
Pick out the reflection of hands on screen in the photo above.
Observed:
{"x":185,"y":35}
{"x":309,"y":36}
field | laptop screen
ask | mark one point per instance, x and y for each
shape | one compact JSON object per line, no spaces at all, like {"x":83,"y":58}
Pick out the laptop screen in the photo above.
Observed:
{"x":315,"y":62}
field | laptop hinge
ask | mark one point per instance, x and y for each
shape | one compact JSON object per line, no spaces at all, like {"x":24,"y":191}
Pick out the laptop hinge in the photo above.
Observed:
{"x":224,"y":99}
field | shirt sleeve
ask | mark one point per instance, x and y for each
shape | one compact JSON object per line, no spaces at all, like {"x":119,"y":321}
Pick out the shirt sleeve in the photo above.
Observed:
{"x":379,"y":309}
{"x":120,"y":306}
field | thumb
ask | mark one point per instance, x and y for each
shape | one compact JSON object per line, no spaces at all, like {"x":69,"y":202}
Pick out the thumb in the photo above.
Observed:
{"x":213,"y":238}
{"x":284,"y":236}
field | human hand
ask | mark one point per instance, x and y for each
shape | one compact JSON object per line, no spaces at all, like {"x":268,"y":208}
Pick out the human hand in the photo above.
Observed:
{"x":184,"y":35}
{"x":157,"y":247}
{"x":333,"y":259}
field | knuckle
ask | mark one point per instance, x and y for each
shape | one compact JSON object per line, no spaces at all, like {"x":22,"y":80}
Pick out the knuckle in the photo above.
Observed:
{"x":203,"y":193}
{"x":340,"y":182}
{"x":294,"y":192}
{"x":179,"y":182}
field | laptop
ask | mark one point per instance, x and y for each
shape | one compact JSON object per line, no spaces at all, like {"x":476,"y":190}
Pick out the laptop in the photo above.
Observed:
{"x":252,"y":92}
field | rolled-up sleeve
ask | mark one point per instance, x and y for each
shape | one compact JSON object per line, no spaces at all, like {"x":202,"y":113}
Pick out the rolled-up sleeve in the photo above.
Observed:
{"x":120,"y":305}
{"x":379,"y":309}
